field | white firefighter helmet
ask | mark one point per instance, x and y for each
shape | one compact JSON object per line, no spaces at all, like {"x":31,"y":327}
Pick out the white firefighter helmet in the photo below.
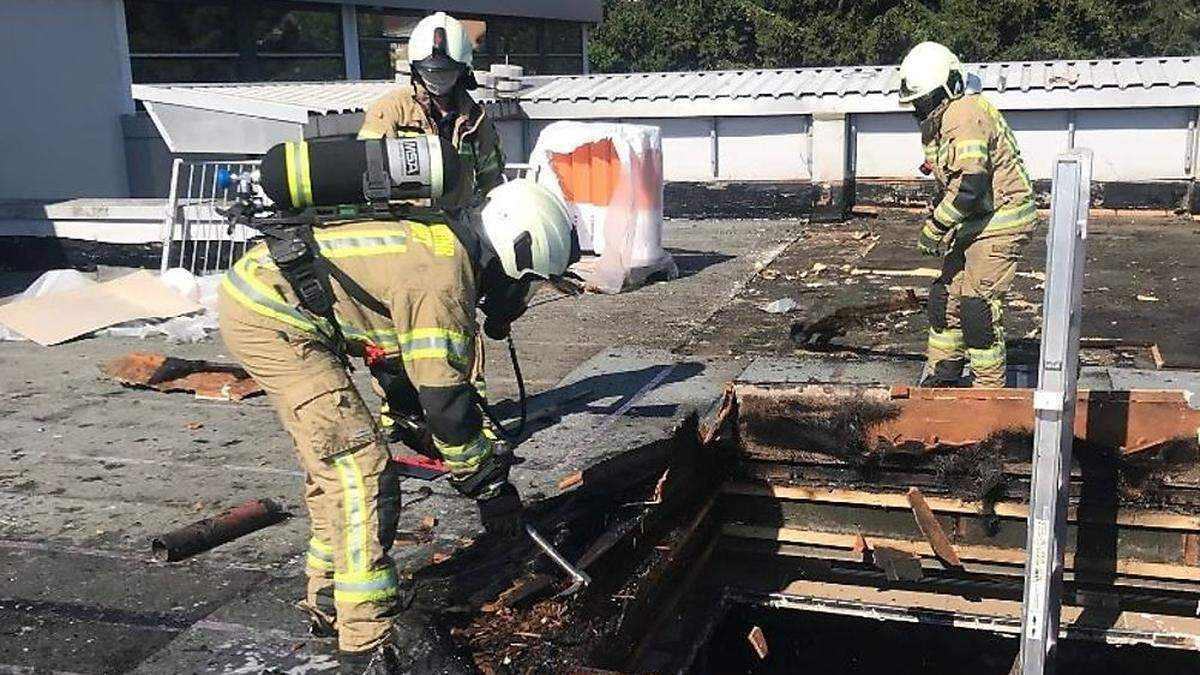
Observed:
{"x":928,"y":67}
{"x":453,"y":40}
{"x":529,"y":229}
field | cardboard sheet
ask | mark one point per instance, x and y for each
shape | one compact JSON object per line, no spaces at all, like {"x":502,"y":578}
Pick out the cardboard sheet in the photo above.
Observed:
{"x":58,"y":317}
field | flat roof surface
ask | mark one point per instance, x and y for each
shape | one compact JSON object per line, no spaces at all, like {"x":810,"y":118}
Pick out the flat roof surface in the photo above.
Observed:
{"x":89,"y":471}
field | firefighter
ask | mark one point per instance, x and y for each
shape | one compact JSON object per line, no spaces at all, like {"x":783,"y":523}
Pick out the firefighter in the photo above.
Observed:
{"x":403,"y":290}
{"x":981,"y":221}
{"x":437,"y":102}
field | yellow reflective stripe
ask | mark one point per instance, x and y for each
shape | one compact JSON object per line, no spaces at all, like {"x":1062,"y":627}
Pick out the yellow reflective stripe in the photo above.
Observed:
{"x":949,"y":340}
{"x":318,"y":564}
{"x":299,"y":178}
{"x":369,"y":135}
{"x":289,"y":164}
{"x":946,"y":213}
{"x":984,"y":358}
{"x":1008,"y":218}
{"x":1010,"y":139}
{"x":242,"y":285}
{"x":354,"y":498}
{"x":366,"y":586}
{"x":320,"y":555}
{"x":466,"y":457}
{"x":438,"y":237}
{"x":305,"y":177}
{"x":931,"y":151}
{"x":973,"y":149}
{"x":321,"y":548}
{"x":435,"y":343}
{"x":361,"y":243}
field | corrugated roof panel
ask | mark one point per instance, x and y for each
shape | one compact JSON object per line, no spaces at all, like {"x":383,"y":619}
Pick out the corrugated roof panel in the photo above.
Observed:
{"x":881,"y":81}
{"x":747,"y":85}
{"x":1152,"y":73}
{"x":1126,"y":73}
{"x":865,"y":80}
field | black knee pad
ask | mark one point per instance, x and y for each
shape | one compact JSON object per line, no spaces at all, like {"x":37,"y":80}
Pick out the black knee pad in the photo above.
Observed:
{"x":939,"y":296}
{"x":978,"y":331}
{"x":946,"y":373}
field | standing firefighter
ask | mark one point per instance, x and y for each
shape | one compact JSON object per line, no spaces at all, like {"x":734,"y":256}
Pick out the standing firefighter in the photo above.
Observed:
{"x":981,"y":222}
{"x":438,"y":102}
{"x":404,"y":291}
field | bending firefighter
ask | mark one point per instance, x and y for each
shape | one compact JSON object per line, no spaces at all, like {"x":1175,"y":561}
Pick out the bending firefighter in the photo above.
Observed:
{"x":980,"y":223}
{"x":404,"y":292}
{"x":438,"y":103}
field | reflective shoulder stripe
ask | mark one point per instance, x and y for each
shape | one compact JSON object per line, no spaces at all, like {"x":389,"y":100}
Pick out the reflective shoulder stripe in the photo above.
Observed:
{"x":361,"y":243}
{"x":244,"y":287}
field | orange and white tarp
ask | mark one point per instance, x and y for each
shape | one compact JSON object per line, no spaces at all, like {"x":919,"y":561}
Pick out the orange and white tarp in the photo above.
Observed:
{"x":611,"y":178}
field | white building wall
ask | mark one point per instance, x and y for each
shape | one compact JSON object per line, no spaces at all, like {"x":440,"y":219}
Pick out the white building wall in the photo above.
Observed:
{"x":64,"y":65}
{"x":1141,"y":144}
{"x":1146,"y":144}
{"x":887,"y":145}
{"x":687,"y":147}
{"x":763,"y":148}
{"x":1041,"y":135}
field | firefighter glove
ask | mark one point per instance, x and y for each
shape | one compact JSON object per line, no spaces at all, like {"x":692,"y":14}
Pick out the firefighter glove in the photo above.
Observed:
{"x":929,"y":242}
{"x":501,"y":511}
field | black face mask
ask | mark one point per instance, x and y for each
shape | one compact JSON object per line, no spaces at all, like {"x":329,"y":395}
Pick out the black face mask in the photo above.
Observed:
{"x":924,"y":106}
{"x":439,"y":73}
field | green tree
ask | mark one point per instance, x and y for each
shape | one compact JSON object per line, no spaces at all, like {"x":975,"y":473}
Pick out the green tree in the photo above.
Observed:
{"x":649,"y":35}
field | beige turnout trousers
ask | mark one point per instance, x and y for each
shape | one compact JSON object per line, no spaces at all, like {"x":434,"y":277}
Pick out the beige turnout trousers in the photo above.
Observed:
{"x":351,"y":488}
{"x":966,"y":310}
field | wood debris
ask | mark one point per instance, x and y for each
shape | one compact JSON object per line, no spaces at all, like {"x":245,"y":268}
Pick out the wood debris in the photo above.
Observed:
{"x":758,"y":642}
{"x":206,"y":379}
{"x":932,"y":529}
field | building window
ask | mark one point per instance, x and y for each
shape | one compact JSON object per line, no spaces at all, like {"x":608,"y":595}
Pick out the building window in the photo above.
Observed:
{"x":542,"y":47}
{"x":234,"y":40}
{"x":383,"y":41}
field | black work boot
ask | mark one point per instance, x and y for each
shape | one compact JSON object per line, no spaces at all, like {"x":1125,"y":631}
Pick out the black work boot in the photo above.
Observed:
{"x":943,"y":374}
{"x":385,"y":659}
{"x":416,"y":646}
{"x":322,"y":623}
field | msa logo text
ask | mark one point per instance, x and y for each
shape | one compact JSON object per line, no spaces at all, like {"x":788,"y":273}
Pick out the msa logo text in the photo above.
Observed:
{"x":412,"y":161}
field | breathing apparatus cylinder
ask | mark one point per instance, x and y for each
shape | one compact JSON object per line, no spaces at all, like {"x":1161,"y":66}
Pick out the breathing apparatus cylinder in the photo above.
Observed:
{"x":296,"y":176}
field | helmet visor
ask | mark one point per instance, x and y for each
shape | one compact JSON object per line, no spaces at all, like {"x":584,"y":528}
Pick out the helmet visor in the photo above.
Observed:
{"x":439,"y":73}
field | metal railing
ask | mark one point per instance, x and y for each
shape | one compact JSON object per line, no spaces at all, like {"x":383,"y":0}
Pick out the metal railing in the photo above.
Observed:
{"x":195,"y":236}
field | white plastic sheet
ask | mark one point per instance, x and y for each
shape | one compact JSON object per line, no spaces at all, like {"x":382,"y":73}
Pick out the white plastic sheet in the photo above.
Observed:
{"x":610,"y":176}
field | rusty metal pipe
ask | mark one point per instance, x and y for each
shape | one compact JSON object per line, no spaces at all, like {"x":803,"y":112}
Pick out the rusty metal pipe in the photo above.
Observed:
{"x":203,"y":535}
